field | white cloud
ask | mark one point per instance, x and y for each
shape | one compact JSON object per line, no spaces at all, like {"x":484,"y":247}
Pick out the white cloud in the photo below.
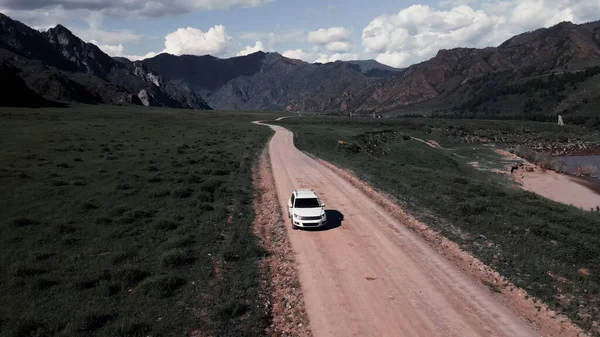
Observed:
{"x":392,"y":58}
{"x":95,"y":32}
{"x":107,"y":37}
{"x":129,"y":8}
{"x":41,"y":19}
{"x":258,"y":46}
{"x":299,"y":54}
{"x":339,"y":47}
{"x":275,"y":38}
{"x":315,"y":56}
{"x":416,"y":33}
{"x":112,"y":50}
{"x":140,"y":57}
{"x":324,"y":36}
{"x":337,"y":57}
{"x":454,"y":3}
{"x":193,"y":41}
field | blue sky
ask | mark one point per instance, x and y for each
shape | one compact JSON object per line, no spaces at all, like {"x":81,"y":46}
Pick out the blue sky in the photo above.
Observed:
{"x":397,"y":33}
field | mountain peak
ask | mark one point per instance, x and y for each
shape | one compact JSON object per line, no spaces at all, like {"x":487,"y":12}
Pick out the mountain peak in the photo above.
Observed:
{"x":565,"y":25}
{"x":61,"y":30}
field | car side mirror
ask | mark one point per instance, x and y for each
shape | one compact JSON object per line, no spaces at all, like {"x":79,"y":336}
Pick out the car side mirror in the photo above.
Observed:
{"x":322,"y":205}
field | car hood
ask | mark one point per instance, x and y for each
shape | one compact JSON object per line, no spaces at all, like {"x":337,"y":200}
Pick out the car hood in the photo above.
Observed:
{"x":316,"y":211}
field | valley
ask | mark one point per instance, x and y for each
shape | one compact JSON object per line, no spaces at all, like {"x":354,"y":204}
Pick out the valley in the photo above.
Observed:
{"x":146,"y":196}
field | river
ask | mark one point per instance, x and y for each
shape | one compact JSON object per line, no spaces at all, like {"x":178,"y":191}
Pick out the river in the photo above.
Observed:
{"x":572,"y":162}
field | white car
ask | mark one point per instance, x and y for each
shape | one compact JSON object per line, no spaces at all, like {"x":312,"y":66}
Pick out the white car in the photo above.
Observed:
{"x":306,"y":210}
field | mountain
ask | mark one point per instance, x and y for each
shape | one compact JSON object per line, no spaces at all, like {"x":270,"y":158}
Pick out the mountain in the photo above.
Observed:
{"x":122,"y":59}
{"x":372,"y":68}
{"x":59,"y":66}
{"x":534,"y":75}
{"x":268,"y":81}
{"x":16,"y":93}
{"x":515,"y":77}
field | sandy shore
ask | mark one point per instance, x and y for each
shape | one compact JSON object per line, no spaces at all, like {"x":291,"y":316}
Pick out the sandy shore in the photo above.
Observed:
{"x":560,"y":187}
{"x":579,"y":192}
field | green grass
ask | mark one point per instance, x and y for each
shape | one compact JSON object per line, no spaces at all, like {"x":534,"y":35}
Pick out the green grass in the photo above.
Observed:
{"x":523,"y":236}
{"x":128,"y":222}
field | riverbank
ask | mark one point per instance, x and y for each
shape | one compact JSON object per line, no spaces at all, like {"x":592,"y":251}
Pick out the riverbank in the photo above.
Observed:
{"x":579,"y":192}
{"x":562,"y":188}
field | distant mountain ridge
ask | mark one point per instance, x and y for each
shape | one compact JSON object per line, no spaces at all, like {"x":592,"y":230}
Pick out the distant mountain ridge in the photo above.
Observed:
{"x":458,"y":76}
{"x":534,"y":75}
{"x":58,"y":66}
{"x":267,"y":81}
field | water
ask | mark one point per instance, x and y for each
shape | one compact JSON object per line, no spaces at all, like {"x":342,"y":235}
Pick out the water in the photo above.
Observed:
{"x":572,"y":162}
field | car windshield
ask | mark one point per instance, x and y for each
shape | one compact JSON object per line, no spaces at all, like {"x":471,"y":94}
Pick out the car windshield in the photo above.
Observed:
{"x":307,"y":203}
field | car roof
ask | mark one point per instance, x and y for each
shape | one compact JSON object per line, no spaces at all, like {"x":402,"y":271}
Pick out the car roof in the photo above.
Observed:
{"x":305,"y":194}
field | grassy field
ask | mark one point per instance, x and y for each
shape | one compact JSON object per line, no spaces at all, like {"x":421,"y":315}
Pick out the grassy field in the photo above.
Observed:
{"x":549,"y":249}
{"x":128,"y":222}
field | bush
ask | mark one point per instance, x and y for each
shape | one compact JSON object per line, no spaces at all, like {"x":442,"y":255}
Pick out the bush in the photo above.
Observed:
{"x":160,"y":194}
{"x":177,"y":258}
{"x":89,"y":205}
{"x":182,"y":193}
{"x":585,"y":171}
{"x":130,"y":217}
{"x":58,"y":183}
{"x":165,"y":225}
{"x":160,"y":286}
{"x":22,"y":222}
{"x":155,"y":179}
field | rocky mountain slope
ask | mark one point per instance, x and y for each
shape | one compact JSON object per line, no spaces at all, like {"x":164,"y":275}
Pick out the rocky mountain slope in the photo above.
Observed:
{"x":269,"y":81}
{"x":15,"y":92}
{"x":468,"y":82}
{"x":534,"y":75}
{"x":467,"y":79}
{"x":59,"y":66}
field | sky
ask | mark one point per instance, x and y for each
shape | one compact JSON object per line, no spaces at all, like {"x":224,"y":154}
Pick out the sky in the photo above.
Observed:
{"x":397,"y":33}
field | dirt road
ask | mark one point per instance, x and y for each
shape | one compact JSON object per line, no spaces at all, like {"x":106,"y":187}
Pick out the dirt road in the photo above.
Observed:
{"x":368,"y":275}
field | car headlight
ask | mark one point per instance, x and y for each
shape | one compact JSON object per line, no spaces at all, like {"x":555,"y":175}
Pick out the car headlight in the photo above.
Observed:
{"x":296,"y":216}
{"x":323,"y":216}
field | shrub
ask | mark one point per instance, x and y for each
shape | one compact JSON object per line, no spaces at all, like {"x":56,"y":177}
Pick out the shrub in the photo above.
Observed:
{"x":130,"y":217}
{"x":176,"y":258}
{"x":182,"y":193}
{"x":94,"y":321}
{"x":58,"y":183}
{"x":165,"y":225}
{"x":160,"y":286}
{"x":123,"y":186}
{"x":130,"y":276}
{"x":22,"y":222}
{"x":160,"y":194}
{"x":89,"y":205}
{"x":587,"y":170}
{"x":155,"y":179}
{"x":193,"y":179}
{"x":120,"y":210}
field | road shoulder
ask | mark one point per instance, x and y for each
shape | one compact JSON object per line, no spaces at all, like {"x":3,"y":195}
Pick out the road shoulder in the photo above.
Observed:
{"x":280,"y":284}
